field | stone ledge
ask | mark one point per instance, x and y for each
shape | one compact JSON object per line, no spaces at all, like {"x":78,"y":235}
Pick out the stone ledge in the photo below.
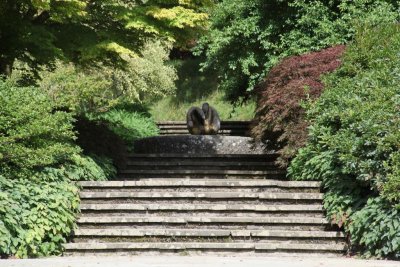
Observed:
{"x":200,"y":144}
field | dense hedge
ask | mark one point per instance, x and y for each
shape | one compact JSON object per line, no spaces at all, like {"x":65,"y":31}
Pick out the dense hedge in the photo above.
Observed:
{"x":279,"y":115}
{"x":354,"y":142}
{"x":248,"y":37}
{"x":38,"y":164}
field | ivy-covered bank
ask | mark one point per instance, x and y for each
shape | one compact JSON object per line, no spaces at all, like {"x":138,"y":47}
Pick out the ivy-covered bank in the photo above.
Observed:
{"x":354,"y":142}
{"x":40,"y":163}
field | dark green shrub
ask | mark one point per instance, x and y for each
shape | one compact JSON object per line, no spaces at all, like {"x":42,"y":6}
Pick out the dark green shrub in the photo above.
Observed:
{"x":354,"y":142}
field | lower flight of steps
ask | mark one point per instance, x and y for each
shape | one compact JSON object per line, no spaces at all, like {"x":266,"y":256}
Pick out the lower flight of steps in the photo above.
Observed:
{"x":186,"y":216}
{"x":233,"y":128}
{"x":201,"y":166}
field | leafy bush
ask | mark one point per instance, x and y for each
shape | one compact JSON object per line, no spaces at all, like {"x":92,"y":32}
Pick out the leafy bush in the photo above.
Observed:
{"x":99,"y":88}
{"x":354,"y":142}
{"x":32,"y":134}
{"x":248,"y":37}
{"x":38,"y":166}
{"x":279,"y":115}
{"x":128,"y":125}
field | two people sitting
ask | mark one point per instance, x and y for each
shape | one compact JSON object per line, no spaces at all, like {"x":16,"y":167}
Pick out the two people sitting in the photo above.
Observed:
{"x":203,"y":121}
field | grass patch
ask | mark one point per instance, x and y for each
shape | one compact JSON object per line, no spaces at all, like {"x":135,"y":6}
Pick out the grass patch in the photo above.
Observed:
{"x":193,"y":89}
{"x":168,"y":109}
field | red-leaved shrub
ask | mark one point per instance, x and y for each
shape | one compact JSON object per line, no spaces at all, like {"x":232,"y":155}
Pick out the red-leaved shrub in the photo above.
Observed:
{"x":279,"y":116}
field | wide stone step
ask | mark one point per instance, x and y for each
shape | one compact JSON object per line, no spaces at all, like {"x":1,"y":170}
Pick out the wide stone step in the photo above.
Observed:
{"x":223,"y":123}
{"x":239,"y":183}
{"x":184,"y":126}
{"x":277,"y":246}
{"x":186,"y":165}
{"x":200,"y":207}
{"x":207,"y":157}
{"x":199,"y":164}
{"x":205,"y":222}
{"x":201,"y":195}
{"x":163,"y":173}
{"x":201,"y":220}
{"x":181,"y":232}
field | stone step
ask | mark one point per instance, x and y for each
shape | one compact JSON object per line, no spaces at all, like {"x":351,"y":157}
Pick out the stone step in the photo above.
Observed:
{"x":185,"y":131}
{"x":208,"y":157}
{"x":202,"y":185}
{"x":187,"y":165}
{"x":201,"y":220}
{"x":223,"y":123}
{"x":200,"y":207}
{"x":229,"y":183}
{"x":276,"y":246}
{"x":201,"y":195}
{"x":148,"y":221}
{"x":163,"y":173}
{"x":182,"y":232}
{"x":199,"y":164}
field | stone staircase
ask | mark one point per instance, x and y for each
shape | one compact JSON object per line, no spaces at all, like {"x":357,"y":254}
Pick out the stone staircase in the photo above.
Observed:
{"x":231,"y":128}
{"x":198,"y":202}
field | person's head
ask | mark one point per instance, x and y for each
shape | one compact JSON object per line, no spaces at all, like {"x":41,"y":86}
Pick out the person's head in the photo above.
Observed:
{"x":205,"y":107}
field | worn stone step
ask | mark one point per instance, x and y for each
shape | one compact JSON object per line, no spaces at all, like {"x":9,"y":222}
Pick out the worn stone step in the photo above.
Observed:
{"x":207,"y":157}
{"x":236,"y":183}
{"x":206,"y":222}
{"x":185,"y":131}
{"x":185,"y":165}
{"x":201,"y":195}
{"x":133,"y":173}
{"x":184,"y":126}
{"x":182,"y":232}
{"x":196,"y":164}
{"x":200,"y":207}
{"x":224,"y":123}
{"x":202,"y":220}
{"x":247,"y":246}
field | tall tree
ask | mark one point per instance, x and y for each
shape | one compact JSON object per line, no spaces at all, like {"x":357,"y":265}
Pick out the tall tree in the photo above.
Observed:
{"x":248,"y":37}
{"x":37,"y":31}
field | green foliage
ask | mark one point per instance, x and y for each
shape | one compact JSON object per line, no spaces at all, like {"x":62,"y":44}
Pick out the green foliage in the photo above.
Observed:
{"x":32,"y":135}
{"x":376,"y":229}
{"x":84,"y":31}
{"x":354,"y":141}
{"x":38,"y":166}
{"x":128,"y":125}
{"x":99,"y":88}
{"x":36,"y":213}
{"x":247,"y":38}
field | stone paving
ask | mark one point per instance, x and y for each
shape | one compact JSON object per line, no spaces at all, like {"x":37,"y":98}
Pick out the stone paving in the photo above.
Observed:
{"x":197,"y":261}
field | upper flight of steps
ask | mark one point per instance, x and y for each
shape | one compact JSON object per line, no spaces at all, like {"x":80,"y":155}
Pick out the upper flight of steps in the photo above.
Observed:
{"x":188,"y":203}
{"x":232,"y":128}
